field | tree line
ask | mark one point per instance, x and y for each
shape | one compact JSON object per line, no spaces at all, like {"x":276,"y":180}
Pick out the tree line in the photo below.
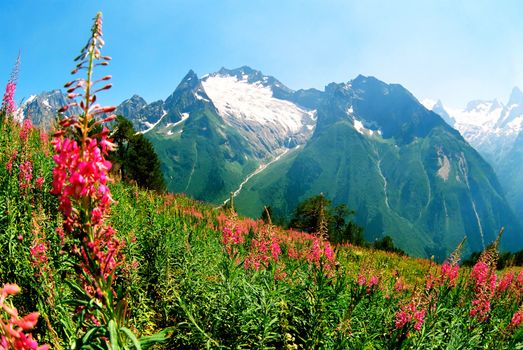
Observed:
{"x":318,"y":215}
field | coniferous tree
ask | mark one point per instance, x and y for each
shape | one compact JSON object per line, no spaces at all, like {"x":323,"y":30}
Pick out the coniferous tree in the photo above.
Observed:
{"x":315,"y":215}
{"x":136,"y":157}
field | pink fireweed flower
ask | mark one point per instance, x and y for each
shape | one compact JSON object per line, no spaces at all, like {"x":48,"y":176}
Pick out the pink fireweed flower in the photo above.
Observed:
{"x":25,"y":175}
{"x":39,"y":182}
{"x":314,"y":255}
{"x":26,"y":129}
{"x":361,"y":280}
{"x":399,"y":285}
{"x":480,"y":308}
{"x":402,"y":318}
{"x":419,"y":317}
{"x":12,"y":330}
{"x":275,"y":249}
{"x":372,"y":283}
{"x":506,"y":282}
{"x":480,"y":273}
{"x":39,"y":256}
{"x":517,"y":319}
{"x":279,"y":274}
{"x":449,"y":273}
{"x":8,"y":101}
{"x":484,"y":289}
{"x":410,"y":313}
{"x":293,"y":253}
{"x":80,"y":179}
{"x":329,"y":253}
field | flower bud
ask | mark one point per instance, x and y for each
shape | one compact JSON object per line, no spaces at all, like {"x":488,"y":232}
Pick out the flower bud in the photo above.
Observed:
{"x":28,"y":322}
{"x":11,"y":289}
{"x":110,"y":118}
{"x":106,"y":87}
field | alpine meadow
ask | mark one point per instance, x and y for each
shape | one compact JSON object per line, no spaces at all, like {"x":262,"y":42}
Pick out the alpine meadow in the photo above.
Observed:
{"x":238,"y":213}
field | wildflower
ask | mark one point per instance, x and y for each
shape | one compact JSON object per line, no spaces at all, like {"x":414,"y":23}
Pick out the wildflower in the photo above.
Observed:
{"x":80,"y":179}
{"x":480,"y":273}
{"x":410,"y":313}
{"x":449,"y":273}
{"x":275,"y":249}
{"x":361,"y":280}
{"x":402,"y":318}
{"x":506,"y":281}
{"x":329,"y":253}
{"x":12,"y":330}
{"x":293,"y":253}
{"x":517,"y":319}
{"x":484,"y":287}
{"x":39,"y":182}
{"x":8,"y":101}
{"x":12,"y":158}
{"x":399,"y":285}
{"x":26,"y":128}
{"x":25,"y":175}
{"x":419,"y":317}
{"x":315,"y":251}
{"x":279,"y":274}
{"x":371,"y":283}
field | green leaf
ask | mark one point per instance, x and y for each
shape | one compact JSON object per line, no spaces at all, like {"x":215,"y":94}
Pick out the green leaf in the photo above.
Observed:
{"x":113,"y":335}
{"x":158,"y":338}
{"x":131,"y":336}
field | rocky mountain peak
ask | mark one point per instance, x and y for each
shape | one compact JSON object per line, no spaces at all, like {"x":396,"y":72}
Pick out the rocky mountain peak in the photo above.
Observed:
{"x":516,"y":97}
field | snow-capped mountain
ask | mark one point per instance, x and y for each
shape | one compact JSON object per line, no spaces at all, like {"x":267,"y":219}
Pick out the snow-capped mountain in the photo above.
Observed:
{"x":244,"y":98}
{"x":142,"y":115}
{"x":42,"y":109}
{"x":488,"y":125}
{"x":495,"y":130}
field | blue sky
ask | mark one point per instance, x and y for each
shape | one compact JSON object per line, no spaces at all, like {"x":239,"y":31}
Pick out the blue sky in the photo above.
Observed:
{"x":453,"y":50}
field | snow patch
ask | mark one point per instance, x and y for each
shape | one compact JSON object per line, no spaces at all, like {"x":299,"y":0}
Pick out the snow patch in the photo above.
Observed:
{"x":151,"y":126}
{"x":30,"y":99}
{"x":261,"y":168}
{"x":253,"y":102}
{"x":46,"y":103}
{"x":358,"y":125}
{"x":428,"y":103}
{"x":198,"y":97}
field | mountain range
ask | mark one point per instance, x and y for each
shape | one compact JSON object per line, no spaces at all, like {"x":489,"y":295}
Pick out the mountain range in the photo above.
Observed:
{"x":364,"y":143}
{"x":495,"y":130}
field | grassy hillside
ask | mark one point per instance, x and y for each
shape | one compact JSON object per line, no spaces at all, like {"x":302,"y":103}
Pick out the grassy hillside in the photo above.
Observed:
{"x":210,"y":279}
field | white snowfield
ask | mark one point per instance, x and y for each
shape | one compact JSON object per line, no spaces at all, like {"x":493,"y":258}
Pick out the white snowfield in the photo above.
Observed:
{"x":489,"y":126}
{"x":359,"y":126}
{"x":237,"y":99}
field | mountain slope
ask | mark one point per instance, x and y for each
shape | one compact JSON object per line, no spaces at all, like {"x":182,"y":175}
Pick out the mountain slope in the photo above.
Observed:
{"x":218,"y":130}
{"x":495,"y":130}
{"x":401,"y":167}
